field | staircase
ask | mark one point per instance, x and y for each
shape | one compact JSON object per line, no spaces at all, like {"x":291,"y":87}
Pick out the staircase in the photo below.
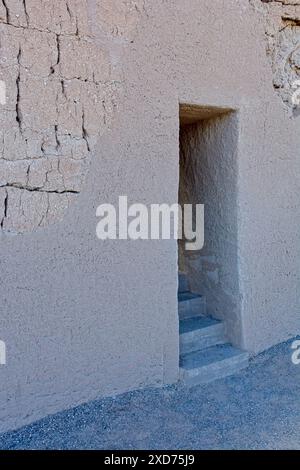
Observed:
{"x":205,"y":354}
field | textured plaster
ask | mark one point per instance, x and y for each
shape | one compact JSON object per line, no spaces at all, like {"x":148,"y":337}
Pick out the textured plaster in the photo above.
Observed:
{"x":62,"y":91}
{"x":82,"y":318}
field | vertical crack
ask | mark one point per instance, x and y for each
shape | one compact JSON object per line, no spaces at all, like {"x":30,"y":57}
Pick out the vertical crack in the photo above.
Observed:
{"x":58,"y":49}
{"x":84,"y":132}
{"x":43,"y":146}
{"x":69,"y":10}
{"x":56,"y":138}
{"x":45,"y":215}
{"x":52,"y":68}
{"x":63,"y":88}
{"x":6,"y":11}
{"x":27,"y":175}
{"x":18,"y":111}
{"x":104,"y":112}
{"x":26,"y":13}
{"x":5,"y":210}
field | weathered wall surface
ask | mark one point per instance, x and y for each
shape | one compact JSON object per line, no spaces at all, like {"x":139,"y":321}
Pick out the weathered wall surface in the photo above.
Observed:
{"x":282,"y":29}
{"x":83,"y":318}
{"x":62,"y":88}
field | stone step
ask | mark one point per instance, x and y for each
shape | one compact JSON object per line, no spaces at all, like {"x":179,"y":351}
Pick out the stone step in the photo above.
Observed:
{"x":211,"y":364}
{"x":199,"y":333}
{"x":191,"y":305}
{"x":183,"y":283}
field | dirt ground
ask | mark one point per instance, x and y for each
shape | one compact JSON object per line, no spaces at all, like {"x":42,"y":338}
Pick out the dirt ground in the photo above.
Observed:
{"x":256,"y":409}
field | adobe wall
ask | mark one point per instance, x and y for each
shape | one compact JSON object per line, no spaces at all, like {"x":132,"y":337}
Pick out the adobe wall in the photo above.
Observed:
{"x":93,"y":92}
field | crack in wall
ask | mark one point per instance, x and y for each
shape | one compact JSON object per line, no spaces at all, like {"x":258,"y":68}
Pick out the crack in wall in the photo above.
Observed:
{"x":280,"y":2}
{"x":56,"y":138}
{"x":84,"y":132}
{"x":69,"y":10}
{"x":6,"y":11}
{"x":291,"y":22}
{"x":18,"y":80}
{"x":37,"y":189}
{"x":26,"y":13}
{"x":58,"y":49}
{"x":5,"y":203}
{"x":62,"y":96}
{"x":45,"y":31}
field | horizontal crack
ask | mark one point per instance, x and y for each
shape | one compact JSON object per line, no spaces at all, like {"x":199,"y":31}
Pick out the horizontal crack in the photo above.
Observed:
{"x":46,"y":31}
{"x":39,"y":190}
{"x":281,"y":3}
{"x":292,"y":21}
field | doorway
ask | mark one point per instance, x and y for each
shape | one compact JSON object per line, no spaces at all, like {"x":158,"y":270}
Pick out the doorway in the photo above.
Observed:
{"x":208,"y":175}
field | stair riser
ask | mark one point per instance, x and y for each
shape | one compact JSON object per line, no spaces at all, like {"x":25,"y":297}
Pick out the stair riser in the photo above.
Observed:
{"x":183,"y":285}
{"x":197,"y":340}
{"x":215,"y":371}
{"x":192,"y":308}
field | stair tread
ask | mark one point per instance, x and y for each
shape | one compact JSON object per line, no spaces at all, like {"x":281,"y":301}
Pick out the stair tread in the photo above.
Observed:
{"x":205,"y":357}
{"x":184,"y":296}
{"x":197,"y":323}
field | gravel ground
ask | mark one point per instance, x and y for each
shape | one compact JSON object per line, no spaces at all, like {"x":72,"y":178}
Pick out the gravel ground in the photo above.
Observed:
{"x":257,"y":409}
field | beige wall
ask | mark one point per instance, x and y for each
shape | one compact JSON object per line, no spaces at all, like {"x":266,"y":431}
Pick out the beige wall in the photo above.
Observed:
{"x":83,"y":318}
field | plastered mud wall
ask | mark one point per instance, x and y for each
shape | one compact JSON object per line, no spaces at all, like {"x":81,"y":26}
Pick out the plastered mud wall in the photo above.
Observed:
{"x":83,"y":318}
{"x":63,"y":86}
{"x":282,"y":30}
